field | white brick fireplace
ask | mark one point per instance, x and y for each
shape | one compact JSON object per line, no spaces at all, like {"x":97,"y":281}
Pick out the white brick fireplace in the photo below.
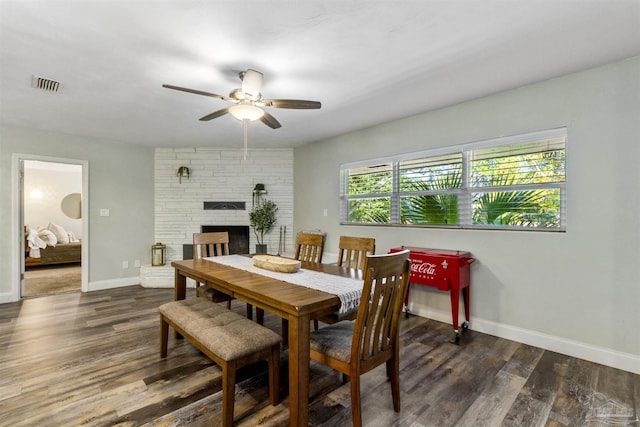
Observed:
{"x":218,"y":174}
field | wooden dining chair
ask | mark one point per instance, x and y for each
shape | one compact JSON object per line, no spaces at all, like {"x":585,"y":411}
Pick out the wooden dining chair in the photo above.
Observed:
{"x":352,"y":253}
{"x":210,"y":245}
{"x":309,"y":247}
{"x":355,"y":348}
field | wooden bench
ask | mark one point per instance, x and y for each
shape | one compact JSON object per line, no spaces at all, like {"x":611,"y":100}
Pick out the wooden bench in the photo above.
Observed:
{"x":229,"y":339}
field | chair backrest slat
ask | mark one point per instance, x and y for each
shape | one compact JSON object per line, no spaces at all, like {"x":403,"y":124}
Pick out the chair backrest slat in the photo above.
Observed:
{"x":386,"y":278}
{"x":309,"y":247}
{"x":353,"y":251}
{"x":210,"y":244}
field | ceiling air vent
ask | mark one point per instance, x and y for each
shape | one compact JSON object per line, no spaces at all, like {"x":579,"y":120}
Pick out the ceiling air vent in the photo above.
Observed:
{"x":45,"y":84}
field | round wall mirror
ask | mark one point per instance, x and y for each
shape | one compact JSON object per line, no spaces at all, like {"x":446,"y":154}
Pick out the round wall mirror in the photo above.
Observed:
{"x":71,"y":205}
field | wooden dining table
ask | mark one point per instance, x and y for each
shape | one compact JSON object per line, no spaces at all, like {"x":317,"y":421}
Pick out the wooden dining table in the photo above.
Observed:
{"x":294,"y":303}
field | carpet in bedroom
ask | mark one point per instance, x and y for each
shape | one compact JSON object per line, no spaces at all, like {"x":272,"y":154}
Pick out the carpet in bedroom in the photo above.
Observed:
{"x":52,"y":280}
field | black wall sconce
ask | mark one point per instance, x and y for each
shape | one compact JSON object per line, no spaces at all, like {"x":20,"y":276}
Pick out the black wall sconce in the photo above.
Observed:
{"x":183,"y":170}
{"x":258,"y":191}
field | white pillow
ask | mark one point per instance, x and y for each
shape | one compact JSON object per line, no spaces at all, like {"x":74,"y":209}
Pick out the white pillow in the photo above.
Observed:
{"x":60,"y":232}
{"x":48,"y":236}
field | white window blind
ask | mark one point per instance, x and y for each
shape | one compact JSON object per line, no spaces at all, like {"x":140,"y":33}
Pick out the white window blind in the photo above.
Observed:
{"x":515,"y":182}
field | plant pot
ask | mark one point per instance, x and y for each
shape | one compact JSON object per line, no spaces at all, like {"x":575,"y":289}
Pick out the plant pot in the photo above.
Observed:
{"x":261,"y":249}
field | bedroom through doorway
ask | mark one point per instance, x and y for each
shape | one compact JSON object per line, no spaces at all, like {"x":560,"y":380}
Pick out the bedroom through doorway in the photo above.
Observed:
{"x":53,"y":227}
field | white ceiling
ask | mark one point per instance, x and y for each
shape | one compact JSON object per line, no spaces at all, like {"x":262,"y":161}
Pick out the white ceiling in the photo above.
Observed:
{"x":368,"y":62}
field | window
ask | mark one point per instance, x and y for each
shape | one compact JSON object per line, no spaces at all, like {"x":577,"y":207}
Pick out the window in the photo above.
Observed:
{"x":515,"y":182}
{"x":370,"y":191}
{"x":430,"y":189}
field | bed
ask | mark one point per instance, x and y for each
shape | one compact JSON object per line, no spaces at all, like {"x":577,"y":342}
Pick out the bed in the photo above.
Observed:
{"x":51,"y":245}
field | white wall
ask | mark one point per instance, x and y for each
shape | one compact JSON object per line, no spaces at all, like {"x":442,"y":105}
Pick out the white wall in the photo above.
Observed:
{"x":120,"y":179}
{"x":575,"y":292}
{"x":218,"y":174}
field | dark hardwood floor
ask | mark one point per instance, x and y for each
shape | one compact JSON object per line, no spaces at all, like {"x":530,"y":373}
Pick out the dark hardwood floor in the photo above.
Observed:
{"x":92,"y":360}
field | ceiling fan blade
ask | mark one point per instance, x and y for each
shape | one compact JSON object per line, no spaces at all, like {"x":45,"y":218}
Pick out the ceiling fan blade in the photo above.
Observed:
{"x":198,"y":92}
{"x":292,"y":103}
{"x":270,"y":121}
{"x":215,"y":114}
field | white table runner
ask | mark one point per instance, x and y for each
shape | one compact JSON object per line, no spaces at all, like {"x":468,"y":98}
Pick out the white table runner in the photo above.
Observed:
{"x":348,"y":290}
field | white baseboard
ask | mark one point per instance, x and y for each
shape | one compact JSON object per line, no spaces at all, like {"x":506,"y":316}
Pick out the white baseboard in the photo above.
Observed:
{"x":7,"y":297}
{"x":619,"y":360}
{"x":160,"y":277}
{"x":164,"y":284}
{"x":113,"y":283}
{"x":130,"y":281}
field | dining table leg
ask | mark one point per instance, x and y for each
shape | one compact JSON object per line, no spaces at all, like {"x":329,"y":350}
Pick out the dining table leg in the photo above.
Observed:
{"x":285,"y":332}
{"x":180,"y":286}
{"x":299,"y":370}
{"x":180,"y":291}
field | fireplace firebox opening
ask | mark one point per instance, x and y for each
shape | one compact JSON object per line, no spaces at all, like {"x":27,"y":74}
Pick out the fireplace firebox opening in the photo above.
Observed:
{"x":238,"y":239}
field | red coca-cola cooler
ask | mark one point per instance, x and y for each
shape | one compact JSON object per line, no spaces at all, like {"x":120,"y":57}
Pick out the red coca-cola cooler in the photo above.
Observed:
{"x":446,"y":270}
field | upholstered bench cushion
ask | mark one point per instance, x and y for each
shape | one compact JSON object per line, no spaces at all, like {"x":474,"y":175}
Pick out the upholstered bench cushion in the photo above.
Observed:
{"x":227,"y":334}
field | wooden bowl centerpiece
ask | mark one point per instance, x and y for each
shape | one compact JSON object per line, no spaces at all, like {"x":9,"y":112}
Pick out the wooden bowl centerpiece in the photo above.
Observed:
{"x":276,"y":263}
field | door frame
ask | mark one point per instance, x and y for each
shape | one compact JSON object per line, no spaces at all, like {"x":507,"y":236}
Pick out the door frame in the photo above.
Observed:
{"x":17,"y":218}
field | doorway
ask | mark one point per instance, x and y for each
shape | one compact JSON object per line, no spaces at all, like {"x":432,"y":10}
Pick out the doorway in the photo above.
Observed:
{"x":52,"y":207}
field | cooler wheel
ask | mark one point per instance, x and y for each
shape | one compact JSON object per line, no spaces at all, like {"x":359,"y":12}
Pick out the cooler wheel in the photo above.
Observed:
{"x":465,"y":326}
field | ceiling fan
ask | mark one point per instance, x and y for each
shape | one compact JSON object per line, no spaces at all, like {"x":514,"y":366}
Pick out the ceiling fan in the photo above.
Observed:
{"x":249,"y":101}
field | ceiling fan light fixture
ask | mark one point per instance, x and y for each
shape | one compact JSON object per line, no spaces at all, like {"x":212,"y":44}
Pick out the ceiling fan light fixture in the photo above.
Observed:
{"x":246,"y":112}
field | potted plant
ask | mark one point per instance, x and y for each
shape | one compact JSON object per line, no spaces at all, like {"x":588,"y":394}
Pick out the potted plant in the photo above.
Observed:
{"x":262,"y":219}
